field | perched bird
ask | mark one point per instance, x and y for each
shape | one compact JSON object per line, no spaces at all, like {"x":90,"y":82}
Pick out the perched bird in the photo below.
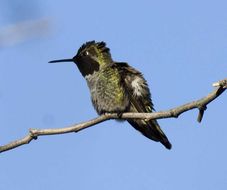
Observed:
{"x":116,"y":87}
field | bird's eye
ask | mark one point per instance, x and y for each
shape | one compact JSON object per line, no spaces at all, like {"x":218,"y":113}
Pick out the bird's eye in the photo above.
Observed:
{"x":86,"y":53}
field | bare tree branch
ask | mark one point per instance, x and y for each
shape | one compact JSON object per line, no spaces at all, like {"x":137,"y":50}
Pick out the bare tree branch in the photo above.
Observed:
{"x":200,"y":104}
{"x":221,"y":83}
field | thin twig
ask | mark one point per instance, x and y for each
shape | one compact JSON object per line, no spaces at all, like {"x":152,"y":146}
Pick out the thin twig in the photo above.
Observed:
{"x":200,"y":104}
{"x":221,"y":83}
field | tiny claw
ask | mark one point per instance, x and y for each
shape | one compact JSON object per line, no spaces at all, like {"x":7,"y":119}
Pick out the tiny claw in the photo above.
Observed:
{"x":119,"y":115}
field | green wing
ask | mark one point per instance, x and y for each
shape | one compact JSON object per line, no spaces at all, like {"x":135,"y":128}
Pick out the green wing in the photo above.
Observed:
{"x":140,"y":101}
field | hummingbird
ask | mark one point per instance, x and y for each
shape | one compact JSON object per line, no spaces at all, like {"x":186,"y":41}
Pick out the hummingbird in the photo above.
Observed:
{"x":116,"y":87}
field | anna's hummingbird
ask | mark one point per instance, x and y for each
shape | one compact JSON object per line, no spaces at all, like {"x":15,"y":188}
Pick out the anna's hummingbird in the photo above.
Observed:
{"x":116,"y":87}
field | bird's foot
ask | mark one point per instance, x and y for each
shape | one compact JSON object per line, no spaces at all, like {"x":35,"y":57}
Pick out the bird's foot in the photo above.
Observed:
{"x":119,"y":115}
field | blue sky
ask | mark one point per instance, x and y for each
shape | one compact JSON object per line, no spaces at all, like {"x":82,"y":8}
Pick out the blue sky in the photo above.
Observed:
{"x":181,"y":48}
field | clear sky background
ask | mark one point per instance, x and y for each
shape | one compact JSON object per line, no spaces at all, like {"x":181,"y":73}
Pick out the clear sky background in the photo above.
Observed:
{"x":180,"y":46}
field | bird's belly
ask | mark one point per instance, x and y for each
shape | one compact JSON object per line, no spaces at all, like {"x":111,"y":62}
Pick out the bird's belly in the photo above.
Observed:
{"x":109,"y":101}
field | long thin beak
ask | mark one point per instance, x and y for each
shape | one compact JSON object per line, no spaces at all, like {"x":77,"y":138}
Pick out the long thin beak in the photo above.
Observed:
{"x":61,"y":60}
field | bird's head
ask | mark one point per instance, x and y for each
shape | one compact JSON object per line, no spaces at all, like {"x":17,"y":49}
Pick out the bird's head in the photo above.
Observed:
{"x":90,"y":57}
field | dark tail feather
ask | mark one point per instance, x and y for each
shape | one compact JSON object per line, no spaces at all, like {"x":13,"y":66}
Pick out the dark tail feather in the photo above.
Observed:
{"x":151,"y":130}
{"x":166,"y":143}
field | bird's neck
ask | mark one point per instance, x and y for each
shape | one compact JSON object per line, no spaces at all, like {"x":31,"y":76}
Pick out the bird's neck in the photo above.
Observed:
{"x":88,"y":67}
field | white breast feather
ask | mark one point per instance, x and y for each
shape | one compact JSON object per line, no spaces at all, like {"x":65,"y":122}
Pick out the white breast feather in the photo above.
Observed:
{"x":137,"y":85}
